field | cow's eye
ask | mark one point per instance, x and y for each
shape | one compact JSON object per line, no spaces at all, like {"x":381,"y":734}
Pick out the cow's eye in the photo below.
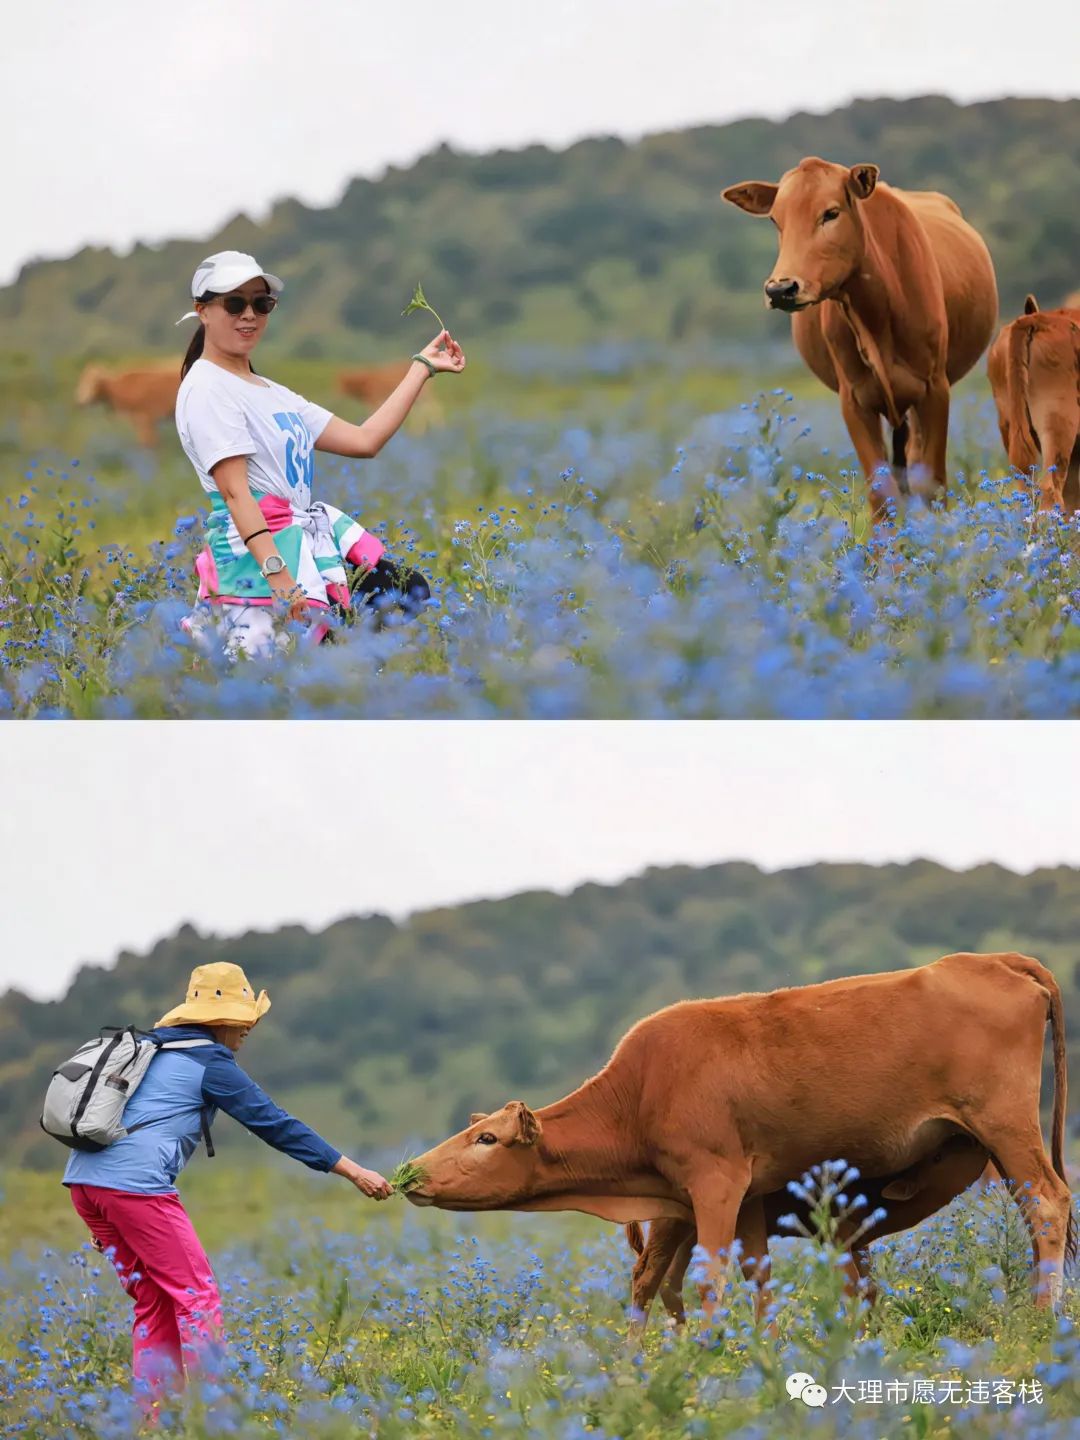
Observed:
{"x":487,"y":1138}
{"x":832,"y":214}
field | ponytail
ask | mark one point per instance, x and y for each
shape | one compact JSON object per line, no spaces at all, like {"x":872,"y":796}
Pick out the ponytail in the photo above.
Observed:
{"x":195,"y":349}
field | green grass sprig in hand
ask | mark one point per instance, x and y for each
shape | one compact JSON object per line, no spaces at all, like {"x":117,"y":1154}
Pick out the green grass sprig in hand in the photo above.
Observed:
{"x":419,"y":301}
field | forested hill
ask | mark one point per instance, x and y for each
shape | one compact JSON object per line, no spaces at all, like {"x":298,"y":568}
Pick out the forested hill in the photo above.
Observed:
{"x":382,"y":1030}
{"x":601,"y":240}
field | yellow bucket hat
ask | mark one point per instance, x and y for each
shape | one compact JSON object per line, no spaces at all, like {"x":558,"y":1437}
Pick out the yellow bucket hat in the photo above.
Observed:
{"x":218,"y":995}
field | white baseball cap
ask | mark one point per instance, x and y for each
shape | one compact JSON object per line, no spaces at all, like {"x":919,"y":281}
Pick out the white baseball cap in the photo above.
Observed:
{"x":225,"y":271}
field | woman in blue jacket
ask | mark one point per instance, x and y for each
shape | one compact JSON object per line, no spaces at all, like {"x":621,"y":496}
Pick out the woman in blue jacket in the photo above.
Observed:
{"x":127,"y":1195}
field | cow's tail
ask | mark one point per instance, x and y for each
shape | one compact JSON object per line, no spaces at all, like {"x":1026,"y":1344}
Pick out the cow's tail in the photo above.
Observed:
{"x":636,"y":1237}
{"x":1025,"y":965}
{"x":1023,"y":451}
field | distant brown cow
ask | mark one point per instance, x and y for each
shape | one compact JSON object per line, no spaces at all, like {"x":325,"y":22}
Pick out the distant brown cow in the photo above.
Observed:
{"x":146,"y":396}
{"x":709,"y":1105}
{"x":378,"y":382}
{"x":892,"y":298}
{"x":1034,"y":369}
{"x":908,"y":1198}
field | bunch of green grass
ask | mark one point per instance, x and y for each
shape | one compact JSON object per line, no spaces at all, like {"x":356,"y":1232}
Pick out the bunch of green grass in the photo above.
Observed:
{"x":407,"y":1176}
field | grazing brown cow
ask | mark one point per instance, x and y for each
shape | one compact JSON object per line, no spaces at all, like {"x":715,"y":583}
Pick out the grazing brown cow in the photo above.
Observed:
{"x":908,"y":1198}
{"x":892,"y":299}
{"x":146,"y":396}
{"x":1034,"y":369}
{"x":707,"y":1106}
{"x":376,"y":383}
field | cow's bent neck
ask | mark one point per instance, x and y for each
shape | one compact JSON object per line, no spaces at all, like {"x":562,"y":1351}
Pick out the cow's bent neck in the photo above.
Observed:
{"x":587,"y":1137}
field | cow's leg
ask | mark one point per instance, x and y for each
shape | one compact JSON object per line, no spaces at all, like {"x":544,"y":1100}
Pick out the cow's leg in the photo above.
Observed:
{"x":864,"y":427}
{"x":1046,"y":1205}
{"x":1055,"y":424}
{"x":753,"y":1233}
{"x":665,"y":1238}
{"x":716,"y":1191}
{"x":932,"y":416}
{"x":146,"y":430}
{"x":671,"y":1289}
{"x":900,"y":438}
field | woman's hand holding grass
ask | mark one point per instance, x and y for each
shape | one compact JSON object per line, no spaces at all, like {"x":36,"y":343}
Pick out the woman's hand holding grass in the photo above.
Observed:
{"x":445,"y":353}
{"x":374,"y":1185}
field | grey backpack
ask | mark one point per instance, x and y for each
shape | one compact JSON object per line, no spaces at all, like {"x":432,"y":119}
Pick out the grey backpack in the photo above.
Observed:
{"x":84,"y":1104}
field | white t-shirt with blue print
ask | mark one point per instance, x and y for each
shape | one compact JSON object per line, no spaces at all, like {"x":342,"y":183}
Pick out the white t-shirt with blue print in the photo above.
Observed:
{"x":218,"y":414}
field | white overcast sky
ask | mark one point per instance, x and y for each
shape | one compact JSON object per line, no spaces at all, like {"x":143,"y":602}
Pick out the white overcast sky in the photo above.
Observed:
{"x":112,"y":835}
{"x":145,"y":121}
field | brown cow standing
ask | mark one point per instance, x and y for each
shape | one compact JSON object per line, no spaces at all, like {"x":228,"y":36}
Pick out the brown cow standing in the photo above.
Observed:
{"x":892,"y":299}
{"x":708,"y":1106}
{"x":146,"y":396}
{"x":1034,"y":369}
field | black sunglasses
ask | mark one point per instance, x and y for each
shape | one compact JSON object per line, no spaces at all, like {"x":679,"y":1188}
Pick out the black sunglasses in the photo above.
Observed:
{"x":237,"y":304}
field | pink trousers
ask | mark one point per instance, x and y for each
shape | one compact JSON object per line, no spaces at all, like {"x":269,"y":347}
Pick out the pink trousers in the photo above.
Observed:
{"x":162,"y":1266}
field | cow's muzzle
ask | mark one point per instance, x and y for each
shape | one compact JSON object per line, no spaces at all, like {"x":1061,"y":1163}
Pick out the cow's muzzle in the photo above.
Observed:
{"x":784,"y":294}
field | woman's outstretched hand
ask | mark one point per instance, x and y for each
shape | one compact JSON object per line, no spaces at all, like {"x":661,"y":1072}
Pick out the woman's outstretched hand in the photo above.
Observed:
{"x":445,"y":353}
{"x":374,"y":1185}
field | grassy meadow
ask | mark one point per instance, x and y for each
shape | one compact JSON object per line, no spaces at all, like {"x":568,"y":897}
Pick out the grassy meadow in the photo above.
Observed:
{"x":616,"y":531}
{"x":345,"y":1318}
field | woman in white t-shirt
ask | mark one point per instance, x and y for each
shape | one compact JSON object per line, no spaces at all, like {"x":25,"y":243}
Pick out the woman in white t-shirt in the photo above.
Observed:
{"x":270,"y":547}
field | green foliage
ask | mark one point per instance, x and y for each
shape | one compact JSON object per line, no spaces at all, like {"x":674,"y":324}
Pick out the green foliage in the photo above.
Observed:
{"x":419,"y":302}
{"x":602,"y":239}
{"x":526,"y":996}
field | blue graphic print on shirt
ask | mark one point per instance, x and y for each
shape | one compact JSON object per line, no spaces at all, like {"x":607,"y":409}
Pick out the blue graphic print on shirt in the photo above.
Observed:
{"x":299,"y":459}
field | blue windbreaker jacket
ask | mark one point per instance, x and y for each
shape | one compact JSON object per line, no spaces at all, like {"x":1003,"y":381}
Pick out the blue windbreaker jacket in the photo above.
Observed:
{"x":178,"y":1084}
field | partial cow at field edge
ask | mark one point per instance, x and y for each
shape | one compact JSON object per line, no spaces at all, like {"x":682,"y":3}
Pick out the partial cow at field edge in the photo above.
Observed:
{"x":145,"y":396}
{"x":1034,"y":369}
{"x":892,"y":299}
{"x":375,"y":383}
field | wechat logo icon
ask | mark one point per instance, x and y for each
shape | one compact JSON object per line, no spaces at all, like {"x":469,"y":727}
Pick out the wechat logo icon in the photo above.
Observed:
{"x":801,"y":1386}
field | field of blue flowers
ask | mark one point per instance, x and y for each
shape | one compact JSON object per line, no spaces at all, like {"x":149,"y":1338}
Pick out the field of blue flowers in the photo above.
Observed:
{"x":398,"y":1324}
{"x":594,"y":563}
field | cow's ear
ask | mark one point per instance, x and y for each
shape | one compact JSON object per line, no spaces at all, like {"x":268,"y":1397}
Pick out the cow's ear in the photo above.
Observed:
{"x":863,"y":180}
{"x":753,"y":196}
{"x":528,"y":1126}
{"x":478,"y":1115}
{"x":1031,"y":305}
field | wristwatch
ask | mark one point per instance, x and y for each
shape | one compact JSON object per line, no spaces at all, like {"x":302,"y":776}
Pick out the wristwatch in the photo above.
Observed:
{"x":272,"y":565}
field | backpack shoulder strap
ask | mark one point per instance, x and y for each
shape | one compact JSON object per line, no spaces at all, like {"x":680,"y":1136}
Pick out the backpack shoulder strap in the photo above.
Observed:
{"x":204,"y":1114}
